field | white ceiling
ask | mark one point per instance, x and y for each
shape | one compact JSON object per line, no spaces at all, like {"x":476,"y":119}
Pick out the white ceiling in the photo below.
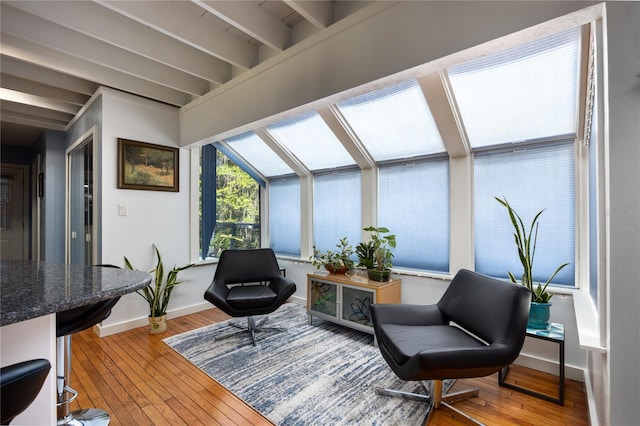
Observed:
{"x":55,"y":54}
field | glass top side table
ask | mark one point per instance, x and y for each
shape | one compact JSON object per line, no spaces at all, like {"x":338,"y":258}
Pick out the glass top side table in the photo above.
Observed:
{"x":553,"y":333}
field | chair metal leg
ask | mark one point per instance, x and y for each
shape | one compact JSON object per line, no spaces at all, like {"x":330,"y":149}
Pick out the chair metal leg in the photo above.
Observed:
{"x":435,"y":397}
{"x":251,"y":327}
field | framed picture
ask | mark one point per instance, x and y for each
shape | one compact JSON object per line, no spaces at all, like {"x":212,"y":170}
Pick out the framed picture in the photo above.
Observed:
{"x":147,"y":166}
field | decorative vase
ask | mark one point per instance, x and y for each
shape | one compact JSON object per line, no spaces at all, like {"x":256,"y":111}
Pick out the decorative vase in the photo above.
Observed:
{"x":158,"y":325}
{"x":377,"y":275}
{"x":539,"y":315}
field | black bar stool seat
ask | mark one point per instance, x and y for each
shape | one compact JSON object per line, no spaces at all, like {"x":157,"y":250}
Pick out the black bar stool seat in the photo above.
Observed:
{"x":19,"y":385}
{"x":67,"y":323}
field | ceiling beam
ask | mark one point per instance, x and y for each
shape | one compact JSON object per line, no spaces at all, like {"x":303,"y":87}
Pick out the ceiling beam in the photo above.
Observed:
{"x":319,"y":13}
{"x":38,"y":101}
{"x":35,"y":73}
{"x":56,"y":37}
{"x":99,"y":22}
{"x":24,"y":85}
{"x":35,"y":111}
{"x":33,"y":121}
{"x":175,"y":20}
{"x":251,"y":20}
{"x":29,"y":51}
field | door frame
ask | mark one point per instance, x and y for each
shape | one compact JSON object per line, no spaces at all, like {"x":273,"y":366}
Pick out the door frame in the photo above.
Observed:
{"x":26,"y":228}
{"x":88,"y":137}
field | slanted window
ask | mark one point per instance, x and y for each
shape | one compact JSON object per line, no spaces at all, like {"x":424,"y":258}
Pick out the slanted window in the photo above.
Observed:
{"x":255,"y":152}
{"x":311,"y":140}
{"x":394,"y":122}
{"x":524,"y":93}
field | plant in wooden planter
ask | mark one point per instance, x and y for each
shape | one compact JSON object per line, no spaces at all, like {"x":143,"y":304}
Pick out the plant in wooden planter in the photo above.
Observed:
{"x":335,"y":261}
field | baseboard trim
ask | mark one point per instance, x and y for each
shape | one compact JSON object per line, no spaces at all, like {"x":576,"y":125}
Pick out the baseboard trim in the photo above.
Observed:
{"x":551,"y":367}
{"x":108,"y":330}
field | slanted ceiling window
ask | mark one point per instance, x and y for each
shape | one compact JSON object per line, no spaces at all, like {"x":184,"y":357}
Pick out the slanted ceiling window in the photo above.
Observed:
{"x":311,"y":141}
{"x":255,"y":152}
{"x":524,"y":93}
{"x":394,"y":122}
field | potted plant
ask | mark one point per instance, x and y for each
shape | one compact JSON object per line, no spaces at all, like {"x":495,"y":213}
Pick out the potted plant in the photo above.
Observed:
{"x":335,"y":261}
{"x":375,"y":254}
{"x":526,"y":240}
{"x":158,"y":292}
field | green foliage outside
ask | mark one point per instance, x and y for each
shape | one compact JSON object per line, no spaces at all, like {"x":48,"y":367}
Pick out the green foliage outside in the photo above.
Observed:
{"x":237,"y":208}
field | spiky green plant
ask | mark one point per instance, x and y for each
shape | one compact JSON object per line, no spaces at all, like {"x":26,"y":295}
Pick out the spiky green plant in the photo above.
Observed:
{"x":526,"y":240}
{"x":158,"y":293}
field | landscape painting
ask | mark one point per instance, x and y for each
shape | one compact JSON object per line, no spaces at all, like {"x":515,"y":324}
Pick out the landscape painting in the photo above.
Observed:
{"x":147,"y":166}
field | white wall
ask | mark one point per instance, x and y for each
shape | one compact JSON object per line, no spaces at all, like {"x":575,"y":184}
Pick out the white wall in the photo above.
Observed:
{"x":154,"y":217}
{"x":623,"y":286}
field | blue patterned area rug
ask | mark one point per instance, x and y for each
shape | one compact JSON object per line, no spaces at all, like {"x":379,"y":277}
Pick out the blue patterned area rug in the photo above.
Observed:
{"x":323,"y":374}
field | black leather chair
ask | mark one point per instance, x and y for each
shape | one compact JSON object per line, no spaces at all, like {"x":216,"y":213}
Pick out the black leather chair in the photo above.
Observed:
{"x":436,"y":342}
{"x":19,"y":385}
{"x":248,"y":283}
{"x":67,"y":323}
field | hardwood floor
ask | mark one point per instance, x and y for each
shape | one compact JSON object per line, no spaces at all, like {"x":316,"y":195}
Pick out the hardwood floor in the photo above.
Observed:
{"x":141,"y":381}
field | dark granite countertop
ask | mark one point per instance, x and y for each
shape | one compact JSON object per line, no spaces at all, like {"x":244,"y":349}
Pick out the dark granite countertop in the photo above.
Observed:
{"x":33,"y":289}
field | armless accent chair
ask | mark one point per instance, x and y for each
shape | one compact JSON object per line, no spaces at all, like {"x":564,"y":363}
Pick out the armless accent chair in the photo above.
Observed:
{"x":67,"y":323}
{"x":248,"y":283}
{"x":19,"y":385}
{"x":476,"y":329}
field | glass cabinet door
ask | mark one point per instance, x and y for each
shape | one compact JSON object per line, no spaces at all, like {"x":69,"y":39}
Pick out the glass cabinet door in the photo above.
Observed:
{"x":323,"y":298}
{"x":356,"y":305}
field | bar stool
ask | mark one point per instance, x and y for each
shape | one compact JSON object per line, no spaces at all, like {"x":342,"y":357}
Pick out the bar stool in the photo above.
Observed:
{"x":19,"y":385}
{"x":67,"y":323}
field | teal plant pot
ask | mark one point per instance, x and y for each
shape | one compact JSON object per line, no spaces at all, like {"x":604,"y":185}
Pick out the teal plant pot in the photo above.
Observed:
{"x":539,"y":315}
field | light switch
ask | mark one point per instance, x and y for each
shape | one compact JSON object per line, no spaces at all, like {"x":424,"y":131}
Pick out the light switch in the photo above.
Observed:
{"x":123,"y":209}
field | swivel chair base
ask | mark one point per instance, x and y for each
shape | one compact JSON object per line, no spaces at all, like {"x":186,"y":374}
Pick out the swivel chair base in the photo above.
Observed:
{"x":88,"y":417}
{"x":435,"y":398}
{"x":251,"y":328}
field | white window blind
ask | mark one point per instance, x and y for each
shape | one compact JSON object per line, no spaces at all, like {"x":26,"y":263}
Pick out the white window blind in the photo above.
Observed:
{"x":524,"y":93}
{"x":309,"y":138}
{"x":337,"y":208}
{"x":257,"y":153}
{"x":394,"y":122}
{"x":414,"y":204}
{"x":284,"y":215}
{"x":531,"y":180}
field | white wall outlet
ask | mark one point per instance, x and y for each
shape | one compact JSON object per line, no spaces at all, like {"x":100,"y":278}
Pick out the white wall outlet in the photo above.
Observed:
{"x":123,"y":209}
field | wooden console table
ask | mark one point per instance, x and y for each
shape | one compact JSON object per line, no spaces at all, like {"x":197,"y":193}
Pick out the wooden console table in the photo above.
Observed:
{"x":346,"y":300}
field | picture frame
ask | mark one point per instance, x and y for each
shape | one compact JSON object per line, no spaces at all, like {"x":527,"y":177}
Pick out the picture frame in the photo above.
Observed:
{"x":148,"y":166}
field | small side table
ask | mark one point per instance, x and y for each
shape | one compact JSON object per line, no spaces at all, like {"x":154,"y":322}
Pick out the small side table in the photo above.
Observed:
{"x":553,"y":333}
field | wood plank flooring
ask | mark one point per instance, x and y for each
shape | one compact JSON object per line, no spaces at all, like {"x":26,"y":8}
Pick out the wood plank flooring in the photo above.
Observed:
{"x":141,"y":381}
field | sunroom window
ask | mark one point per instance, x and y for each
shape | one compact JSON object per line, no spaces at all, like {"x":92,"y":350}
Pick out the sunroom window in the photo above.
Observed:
{"x":394,"y":122}
{"x":519,"y":110}
{"x":256,"y":153}
{"x":284,"y":215}
{"x":229,"y":205}
{"x":311,"y":140}
{"x":525,"y":93}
